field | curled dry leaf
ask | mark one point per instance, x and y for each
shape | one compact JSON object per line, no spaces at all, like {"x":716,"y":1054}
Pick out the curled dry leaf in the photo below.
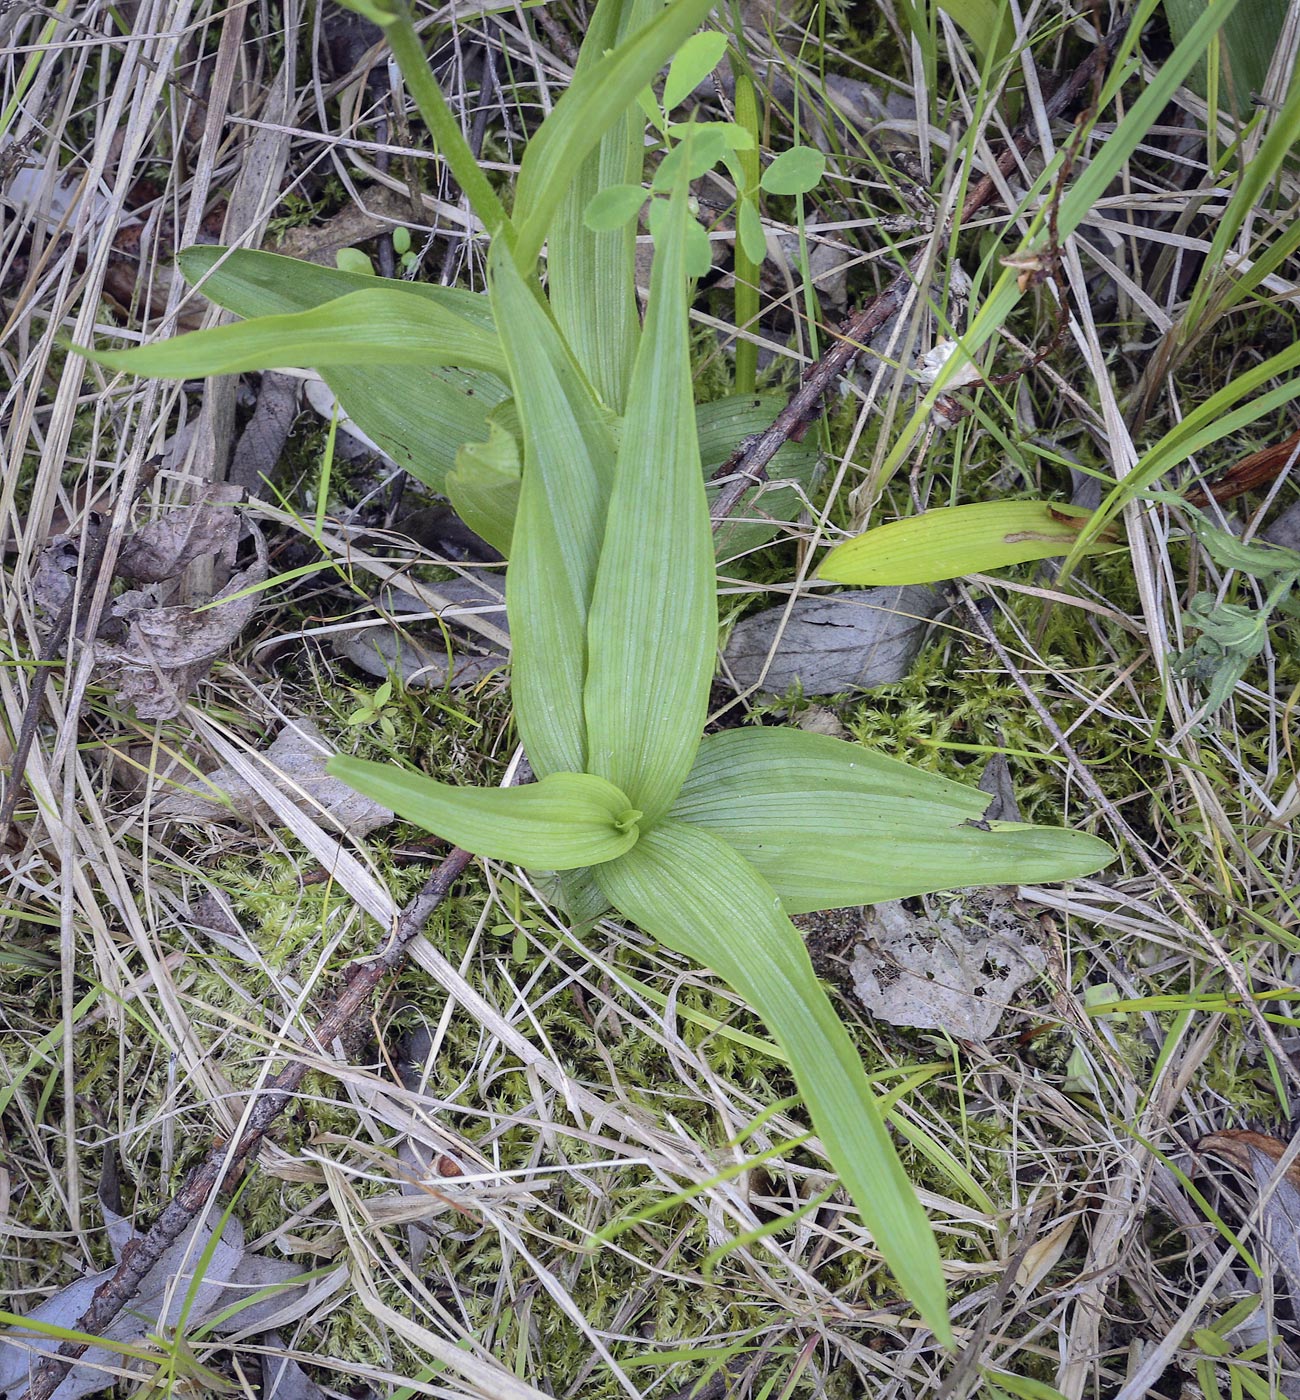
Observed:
{"x":228,"y":1276}
{"x":956,"y":972}
{"x":168,"y":650}
{"x":832,"y":643}
{"x":1255,"y":1156}
{"x":163,"y":548}
{"x":296,"y":763}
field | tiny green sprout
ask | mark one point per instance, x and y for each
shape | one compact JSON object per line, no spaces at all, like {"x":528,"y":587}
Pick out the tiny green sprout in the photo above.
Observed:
{"x":406,"y":255}
{"x":353,"y":260}
{"x":370,"y":711}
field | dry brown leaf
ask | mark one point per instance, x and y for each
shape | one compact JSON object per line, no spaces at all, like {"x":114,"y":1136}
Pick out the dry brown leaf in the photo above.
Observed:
{"x":162,"y":549}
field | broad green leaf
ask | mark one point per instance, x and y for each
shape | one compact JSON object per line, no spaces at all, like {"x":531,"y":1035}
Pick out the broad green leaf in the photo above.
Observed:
{"x":418,"y":415}
{"x":1247,"y":42}
{"x":563,"y":501}
{"x":354,"y":260}
{"x":830,"y":824}
{"x":692,"y":891}
{"x":583,"y":115}
{"x":590,"y":271}
{"x":956,"y":540}
{"x":484,"y":487}
{"x":562,"y":822}
{"x":692,"y":63}
{"x":377,"y":326}
{"x":613,"y":207}
{"x":749,"y":228}
{"x":722,"y":425}
{"x":795,"y":171}
{"x":652,"y":630}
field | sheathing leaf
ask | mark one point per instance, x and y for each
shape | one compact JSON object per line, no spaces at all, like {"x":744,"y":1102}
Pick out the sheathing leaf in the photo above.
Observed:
{"x":568,"y":455}
{"x":653,"y":622}
{"x":565,"y":821}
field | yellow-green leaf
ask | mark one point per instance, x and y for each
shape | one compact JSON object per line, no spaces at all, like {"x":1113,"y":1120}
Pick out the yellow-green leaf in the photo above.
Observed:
{"x":957,"y":540}
{"x":376,"y":326}
{"x":830,"y":824}
{"x":565,"y":821}
{"x":652,"y":630}
{"x":691,"y":890}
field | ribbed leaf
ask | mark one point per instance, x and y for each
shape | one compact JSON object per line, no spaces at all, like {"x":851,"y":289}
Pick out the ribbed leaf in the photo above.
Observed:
{"x":693,"y":892}
{"x":653,"y":624}
{"x":565,"y":821}
{"x":419,"y":415}
{"x":956,"y":540}
{"x":378,"y":326}
{"x":830,"y":824}
{"x":484,"y":486}
{"x":563,"y":500}
{"x":584,"y":115}
{"x":590,"y":276}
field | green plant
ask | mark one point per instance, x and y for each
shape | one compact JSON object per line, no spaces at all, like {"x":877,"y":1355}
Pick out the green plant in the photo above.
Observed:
{"x":1232,"y":635}
{"x":708,"y":845}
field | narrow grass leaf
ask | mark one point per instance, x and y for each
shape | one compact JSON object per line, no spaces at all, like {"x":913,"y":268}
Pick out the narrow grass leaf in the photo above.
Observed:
{"x":1107,"y":160}
{"x":377,"y":326}
{"x":830,"y":824}
{"x":653,"y":624}
{"x":593,"y":103}
{"x":694,"y":892}
{"x":956,"y":540}
{"x":564,"y":821}
{"x":568,"y":453}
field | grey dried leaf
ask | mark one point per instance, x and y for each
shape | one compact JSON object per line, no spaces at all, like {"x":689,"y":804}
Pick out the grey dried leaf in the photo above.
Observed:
{"x":1285,"y":530}
{"x":297,"y":765}
{"x":957,"y":972}
{"x":419,"y":653}
{"x":228,"y":1276}
{"x":168,"y":650}
{"x":835,"y":642}
{"x":996,"y":781}
{"x":55,"y":575}
{"x":163,"y":548}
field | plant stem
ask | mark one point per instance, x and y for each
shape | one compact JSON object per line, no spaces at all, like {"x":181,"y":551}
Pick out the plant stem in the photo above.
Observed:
{"x":444,"y":128}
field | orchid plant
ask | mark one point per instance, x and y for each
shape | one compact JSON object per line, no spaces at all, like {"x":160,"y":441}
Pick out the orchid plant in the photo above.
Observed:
{"x":708,"y":844}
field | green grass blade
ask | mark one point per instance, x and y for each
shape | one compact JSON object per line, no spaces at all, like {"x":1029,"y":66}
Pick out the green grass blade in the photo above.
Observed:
{"x":955,"y":540}
{"x":568,"y":453}
{"x":1265,"y":166}
{"x":652,"y":631}
{"x":586,"y":113}
{"x":565,"y":821}
{"x":830,"y":824}
{"x":1207,"y":423}
{"x":379,"y":326}
{"x":420,"y":415}
{"x":693,"y":892}
{"x":1108,"y":159}
{"x":590,"y":276}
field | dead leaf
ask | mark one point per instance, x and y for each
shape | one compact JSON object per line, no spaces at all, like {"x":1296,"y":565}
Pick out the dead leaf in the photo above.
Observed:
{"x":957,"y":971}
{"x":229,"y":1277}
{"x":1256,"y":1156}
{"x":296,"y":764}
{"x":834,"y":642}
{"x":168,"y":650}
{"x":419,"y":654}
{"x":163,"y":548}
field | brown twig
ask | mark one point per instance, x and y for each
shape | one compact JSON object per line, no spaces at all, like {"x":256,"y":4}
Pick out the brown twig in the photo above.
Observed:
{"x":747,"y":466}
